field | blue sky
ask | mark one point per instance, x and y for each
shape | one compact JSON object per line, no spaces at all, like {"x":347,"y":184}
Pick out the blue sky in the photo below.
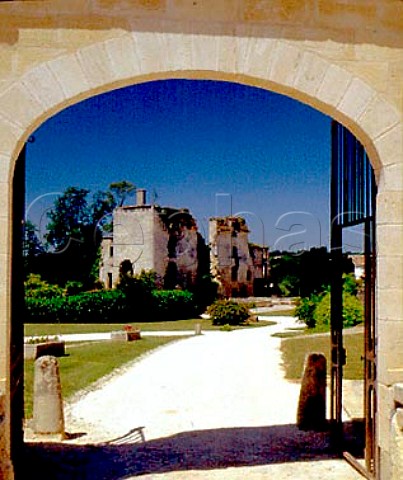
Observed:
{"x":203,"y":145}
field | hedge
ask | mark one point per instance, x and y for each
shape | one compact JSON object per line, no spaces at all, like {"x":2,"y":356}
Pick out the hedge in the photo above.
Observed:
{"x":109,"y":306}
{"x":173,"y":304}
{"x":99,"y":306}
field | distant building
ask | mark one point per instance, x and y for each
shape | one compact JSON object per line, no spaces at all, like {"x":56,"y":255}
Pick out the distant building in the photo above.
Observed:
{"x":239,"y":267}
{"x":150,"y":237}
{"x":358,"y":260}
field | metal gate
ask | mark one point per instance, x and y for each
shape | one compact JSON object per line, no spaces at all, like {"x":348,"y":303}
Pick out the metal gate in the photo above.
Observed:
{"x":17,"y":319}
{"x":353,"y":195}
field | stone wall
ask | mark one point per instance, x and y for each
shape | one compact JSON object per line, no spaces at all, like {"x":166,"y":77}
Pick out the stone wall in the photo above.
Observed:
{"x":134,"y":237}
{"x":342,"y":58}
{"x":142,"y":235}
{"x":231,"y":262}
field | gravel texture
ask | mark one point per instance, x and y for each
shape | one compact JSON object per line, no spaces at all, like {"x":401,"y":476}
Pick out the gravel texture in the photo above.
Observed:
{"x":212,"y":406}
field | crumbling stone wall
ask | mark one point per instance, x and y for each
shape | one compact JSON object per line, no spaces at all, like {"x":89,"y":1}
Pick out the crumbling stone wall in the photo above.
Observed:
{"x":152,"y":238}
{"x":231,"y":261}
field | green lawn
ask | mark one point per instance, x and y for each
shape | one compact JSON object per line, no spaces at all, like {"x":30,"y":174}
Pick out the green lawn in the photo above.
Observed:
{"x":64,"y":328}
{"x":294,"y":350}
{"x":86,"y":363}
{"x":302,"y":330}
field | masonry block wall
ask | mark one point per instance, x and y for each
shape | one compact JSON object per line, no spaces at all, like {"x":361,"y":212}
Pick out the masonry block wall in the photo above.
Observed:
{"x":150,"y":238}
{"x":343,"y":58}
{"x":231,"y":261}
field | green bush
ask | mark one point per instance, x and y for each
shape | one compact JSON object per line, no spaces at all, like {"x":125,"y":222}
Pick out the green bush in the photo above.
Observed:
{"x":135,"y":299}
{"x":314,"y":311}
{"x":172,"y":304}
{"x":44,"y":310}
{"x":35,"y":287}
{"x":351,"y":284}
{"x":305,"y":309}
{"x":73,"y":287}
{"x":107,"y":306}
{"x":352,"y":311}
{"x":137,"y":291}
{"x":228,"y":312}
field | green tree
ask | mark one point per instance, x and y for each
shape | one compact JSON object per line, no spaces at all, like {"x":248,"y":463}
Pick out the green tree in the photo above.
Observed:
{"x":32,"y":245}
{"x":74,"y":236}
{"x":121,"y":190}
{"x":69,"y":219}
{"x":101,"y":209}
{"x":305,"y":272}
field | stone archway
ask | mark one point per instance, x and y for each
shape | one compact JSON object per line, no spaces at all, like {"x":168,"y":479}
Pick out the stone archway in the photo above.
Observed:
{"x":246,"y":56}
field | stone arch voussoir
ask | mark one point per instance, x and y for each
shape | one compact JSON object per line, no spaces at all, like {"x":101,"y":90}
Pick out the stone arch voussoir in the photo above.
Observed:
{"x":135,"y":57}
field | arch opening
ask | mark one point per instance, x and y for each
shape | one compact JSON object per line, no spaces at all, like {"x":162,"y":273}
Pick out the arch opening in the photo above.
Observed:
{"x":360,"y":120}
{"x":234,"y":247}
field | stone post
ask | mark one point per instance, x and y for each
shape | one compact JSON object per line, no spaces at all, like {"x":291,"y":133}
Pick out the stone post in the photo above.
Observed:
{"x":48,"y":418}
{"x":312,"y":400}
{"x":6,"y":469}
{"x":198,"y":328}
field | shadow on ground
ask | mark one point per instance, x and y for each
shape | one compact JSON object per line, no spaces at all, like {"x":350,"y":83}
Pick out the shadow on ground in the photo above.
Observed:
{"x":196,"y":450}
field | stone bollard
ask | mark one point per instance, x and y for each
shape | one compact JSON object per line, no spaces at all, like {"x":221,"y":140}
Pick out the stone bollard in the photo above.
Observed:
{"x":312,"y":399}
{"x":396,"y":445}
{"x":48,"y":418}
{"x":198,"y":328}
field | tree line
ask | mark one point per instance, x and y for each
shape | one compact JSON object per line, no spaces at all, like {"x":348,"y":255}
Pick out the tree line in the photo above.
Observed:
{"x":69,"y":250}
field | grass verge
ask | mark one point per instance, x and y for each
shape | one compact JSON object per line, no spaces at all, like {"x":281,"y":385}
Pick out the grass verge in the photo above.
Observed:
{"x":294,"y":350}
{"x":65,"y":328}
{"x":86,"y":363}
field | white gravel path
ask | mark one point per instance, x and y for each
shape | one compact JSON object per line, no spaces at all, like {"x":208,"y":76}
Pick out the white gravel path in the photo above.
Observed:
{"x":215,"y":380}
{"x":214,"y":406}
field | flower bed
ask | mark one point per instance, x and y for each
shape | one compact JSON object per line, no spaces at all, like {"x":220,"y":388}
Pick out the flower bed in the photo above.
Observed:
{"x":32,"y":351}
{"x":128,"y":334}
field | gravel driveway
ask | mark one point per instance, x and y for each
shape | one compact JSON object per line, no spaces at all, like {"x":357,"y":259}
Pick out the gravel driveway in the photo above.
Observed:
{"x":204,"y":406}
{"x":214,"y":380}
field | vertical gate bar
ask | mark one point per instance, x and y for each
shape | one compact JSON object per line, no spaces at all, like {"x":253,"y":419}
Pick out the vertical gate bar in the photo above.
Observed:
{"x":337,"y":201}
{"x":373,"y":191}
{"x":17,"y":316}
{"x":336,"y":320}
{"x":368,"y":387}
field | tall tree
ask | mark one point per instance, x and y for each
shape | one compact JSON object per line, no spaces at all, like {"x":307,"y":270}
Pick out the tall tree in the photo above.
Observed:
{"x":32,"y":248}
{"x":101,"y":209}
{"x":122,"y":190}
{"x":68,"y":219}
{"x":32,"y":245}
{"x":74,"y":232}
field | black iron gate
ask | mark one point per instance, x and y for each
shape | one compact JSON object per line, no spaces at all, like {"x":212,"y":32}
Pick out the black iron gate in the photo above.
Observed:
{"x":17,"y":319}
{"x":353,"y":194}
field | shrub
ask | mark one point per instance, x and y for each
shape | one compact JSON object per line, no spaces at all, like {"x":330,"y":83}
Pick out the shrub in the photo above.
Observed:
{"x":172,"y":304}
{"x":315,"y":310}
{"x":43,"y":309}
{"x":35,"y":287}
{"x":351,"y":284}
{"x":73,"y":287}
{"x":136,"y":299}
{"x":228,"y":312}
{"x":305,"y":309}
{"x":352,"y":310}
{"x":226,"y":328}
{"x":137,"y":291}
{"x":99,"y":306}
